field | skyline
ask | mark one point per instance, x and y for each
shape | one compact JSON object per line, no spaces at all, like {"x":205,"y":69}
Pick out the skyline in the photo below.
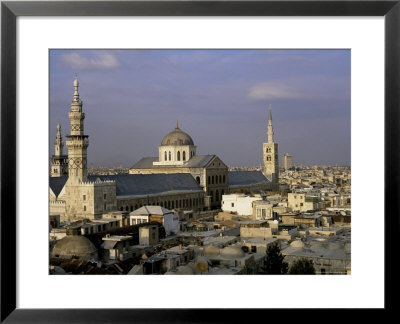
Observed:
{"x":132,"y":99}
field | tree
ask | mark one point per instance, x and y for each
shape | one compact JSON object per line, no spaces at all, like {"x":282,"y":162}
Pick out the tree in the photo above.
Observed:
{"x":302,"y":266}
{"x":273,"y":263}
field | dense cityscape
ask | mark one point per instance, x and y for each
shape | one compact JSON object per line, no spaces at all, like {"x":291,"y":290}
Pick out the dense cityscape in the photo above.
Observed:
{"x":185,"y":213}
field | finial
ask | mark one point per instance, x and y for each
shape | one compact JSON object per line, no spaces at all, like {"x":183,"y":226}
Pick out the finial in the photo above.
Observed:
{"x":76,"y":85}
{"x":59,"y":126}
{"x":177,"y":124}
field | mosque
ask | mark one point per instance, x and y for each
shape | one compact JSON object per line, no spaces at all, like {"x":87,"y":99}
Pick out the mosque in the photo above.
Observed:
{"x":177,"y":178}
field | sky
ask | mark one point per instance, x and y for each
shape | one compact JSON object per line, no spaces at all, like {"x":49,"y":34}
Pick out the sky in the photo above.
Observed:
{"x":133,"y":98}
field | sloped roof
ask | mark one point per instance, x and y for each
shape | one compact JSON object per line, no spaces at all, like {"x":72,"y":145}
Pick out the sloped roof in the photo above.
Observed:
{"x":197,"y":161}
{"x":151,"y":210}
{"x":147,"y":184}
{"x":243,"y":178}
{"x":139,"y":184}
{"x":57,"y":183}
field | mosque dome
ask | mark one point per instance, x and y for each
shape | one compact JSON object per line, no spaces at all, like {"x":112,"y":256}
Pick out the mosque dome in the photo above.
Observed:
{"x":177,"y":137}
{"x":210,"y":250}
{"x":74,"y":245}
{"x":232,"y":252}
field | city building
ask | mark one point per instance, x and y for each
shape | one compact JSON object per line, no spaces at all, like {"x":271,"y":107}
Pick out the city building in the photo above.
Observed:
{"x":287,"y":161}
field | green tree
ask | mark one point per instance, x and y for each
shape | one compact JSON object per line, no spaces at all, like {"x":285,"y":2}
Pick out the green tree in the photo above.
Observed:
{"x":302,"y":266}
{"x":273,"y":263}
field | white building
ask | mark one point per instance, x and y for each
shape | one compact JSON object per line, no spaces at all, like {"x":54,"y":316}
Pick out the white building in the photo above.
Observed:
{"x":238,"y":203}
{"x":168,"y":218}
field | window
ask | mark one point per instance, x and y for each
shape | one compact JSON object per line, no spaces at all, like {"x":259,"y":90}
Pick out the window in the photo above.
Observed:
{"x":253,"y":248}
{"x":178,"y":156}
{"x":105,"y":196}
{"x":216,"y":179}
{"x":223,"y":178}
{"x":232,"y":204}
{"x":323,"y":271}
{"x":84,"y":197}
{"x":165,"y":156}
{"x":84,"y":208}
{"x":301,"y":204}
{"x":184,"y":156}
{"x":198,"y":180}
{"x":169,"y":155}
{"x":219,"y":178}
{"x":216,"y":195}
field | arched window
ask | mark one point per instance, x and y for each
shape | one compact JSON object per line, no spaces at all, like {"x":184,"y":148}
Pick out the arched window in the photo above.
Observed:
{"x":222,"y":192}
{"x":216,"y":195}
{"x":268,"y":158}
{"x":219,"y":178}
{"x":183,"y":156}
{"x":169,"y":155}
{"x":198,"y":180}
{"x":216,"y":179}
{"x":131,"y":208}
{"x":212,"y":179}
{"x":212,"y":195}
{"x":127,"y":208}
{"x":165,"y":156}
{"x":223,"y":178}
{"x":178,"y":156}
{"x":209,"y":181}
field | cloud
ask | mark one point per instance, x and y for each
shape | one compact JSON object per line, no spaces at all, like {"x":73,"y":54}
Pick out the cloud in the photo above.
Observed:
{"x":103,"y":61}
{"x":273,"y":90}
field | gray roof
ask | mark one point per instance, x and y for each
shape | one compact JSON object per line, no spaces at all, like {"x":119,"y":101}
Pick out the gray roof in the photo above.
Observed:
{"x":197,"y":161}
{"x":151,"y":210}
{"x":140,"y":184}
{"x":57,"y":183}
{"x":148,"y":184}
{"x":245,"y":178}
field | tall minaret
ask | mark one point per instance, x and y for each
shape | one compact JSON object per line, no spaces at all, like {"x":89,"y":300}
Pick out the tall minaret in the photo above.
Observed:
{"x":77,"y":142}
{"x":59,"y":161}
{"x":270,"y":154}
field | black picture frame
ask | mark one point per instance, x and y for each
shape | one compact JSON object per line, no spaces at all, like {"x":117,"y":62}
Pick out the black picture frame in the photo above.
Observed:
{"x":10,"y":10}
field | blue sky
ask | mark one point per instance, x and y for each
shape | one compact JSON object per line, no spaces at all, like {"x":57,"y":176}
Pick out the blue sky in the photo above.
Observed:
{"x":132,"y":99}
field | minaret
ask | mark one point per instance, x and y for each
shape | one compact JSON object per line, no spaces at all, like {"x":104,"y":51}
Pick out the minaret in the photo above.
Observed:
{"x":270,"y":154}
{"x":58,"y":147}
{"x":59,"y":161}
{"x":77,"y":142}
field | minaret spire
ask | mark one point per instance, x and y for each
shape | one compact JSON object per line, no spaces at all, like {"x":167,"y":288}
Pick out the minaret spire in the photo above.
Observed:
{"x":77,"y":142}
{"x":176,"y":124}
{"x":270,"y":127}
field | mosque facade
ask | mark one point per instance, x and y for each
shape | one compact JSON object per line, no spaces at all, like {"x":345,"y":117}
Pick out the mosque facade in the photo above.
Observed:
{"x":177,"y":178}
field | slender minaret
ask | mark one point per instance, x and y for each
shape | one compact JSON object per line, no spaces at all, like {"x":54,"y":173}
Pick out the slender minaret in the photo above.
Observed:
{"x":77,"y":142}
{"x":270,"y":154}
{"x":59,"y":161}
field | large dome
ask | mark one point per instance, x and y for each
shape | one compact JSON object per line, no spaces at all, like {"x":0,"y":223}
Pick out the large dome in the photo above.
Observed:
{"x":177,"y":137}
{"x":74,"y":246}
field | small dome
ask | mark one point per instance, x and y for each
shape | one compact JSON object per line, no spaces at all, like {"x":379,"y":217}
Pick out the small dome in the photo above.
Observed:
{"x":177,"y":137}
{"x":210,"y":250}
{"x":184,"y":270}
{"x":232,"y":252}
{"x":297,"y":244}
{"x":74,"y":246}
